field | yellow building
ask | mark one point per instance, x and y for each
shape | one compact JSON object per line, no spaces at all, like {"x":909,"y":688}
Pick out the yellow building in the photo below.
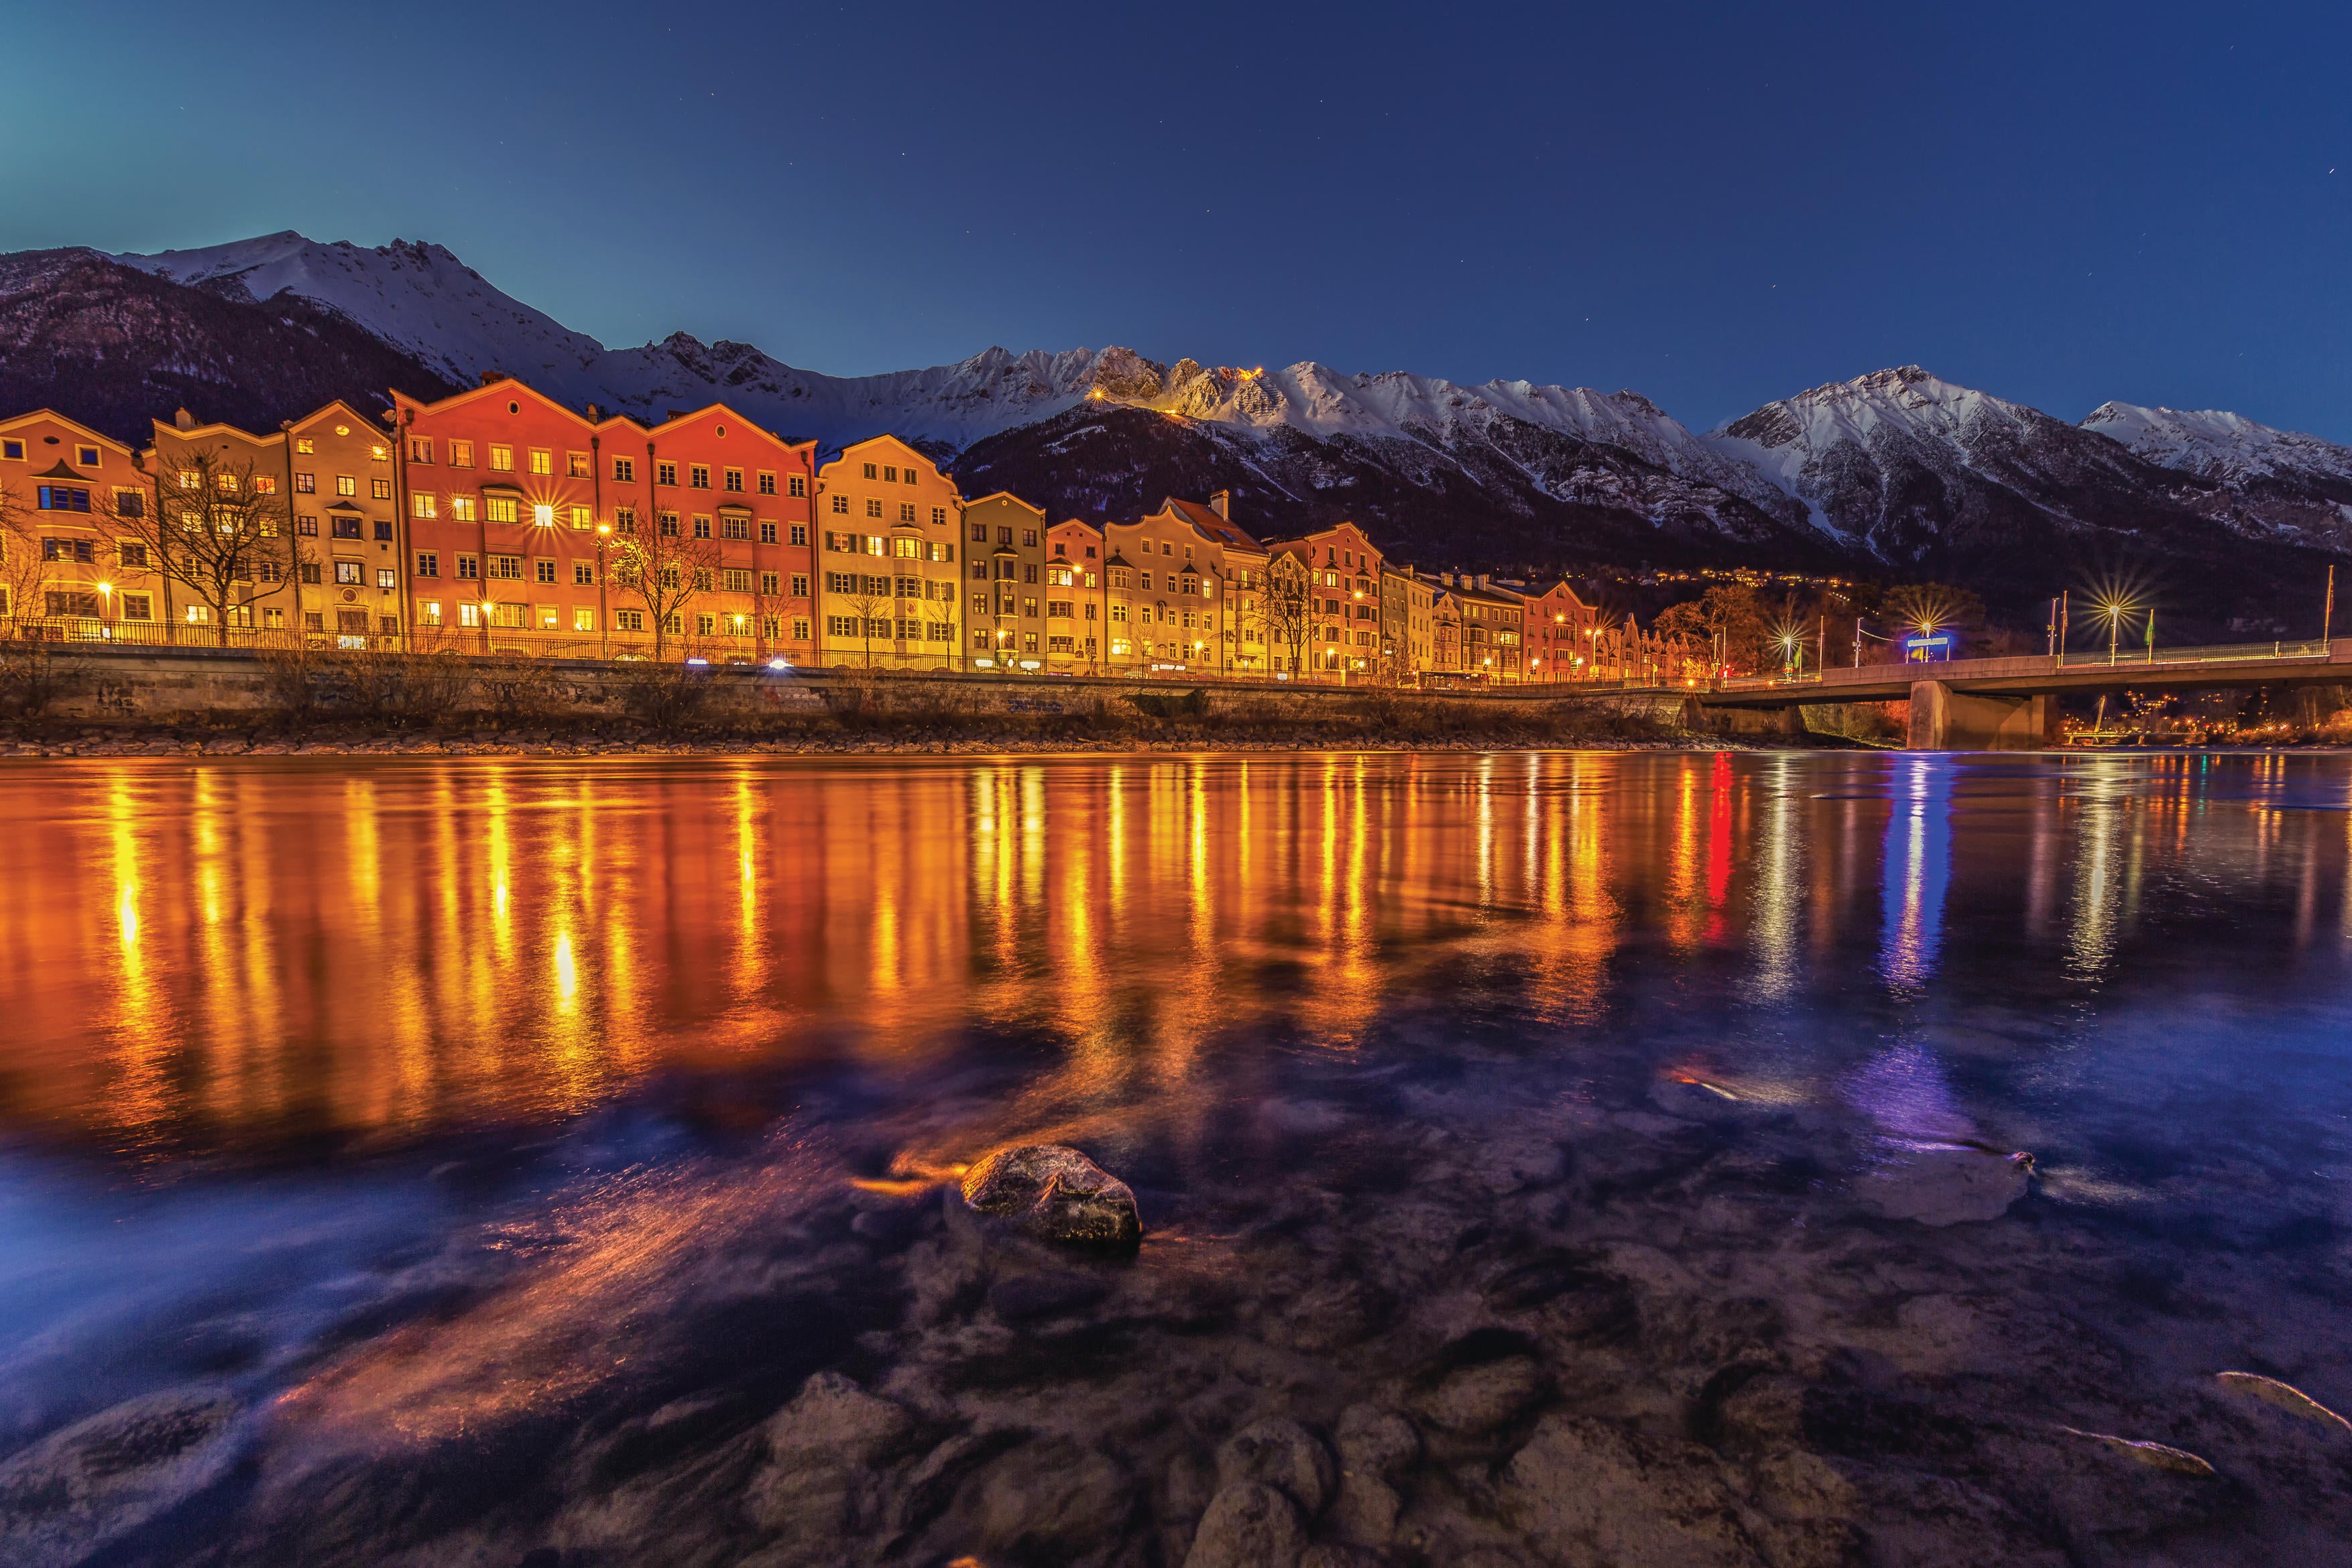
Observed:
{"x":1174,"y":588}
{"x":1004,"y":583}
{"x":890,"y":526}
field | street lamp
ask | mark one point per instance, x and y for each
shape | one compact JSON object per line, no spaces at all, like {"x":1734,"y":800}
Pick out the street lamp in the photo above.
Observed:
{"x":2114,"y":609}
{"x":604,"y":614}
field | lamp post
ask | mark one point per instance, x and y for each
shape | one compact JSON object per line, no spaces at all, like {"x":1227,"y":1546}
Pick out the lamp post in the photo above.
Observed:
{"x":2113,"y":610}
{"x":604,"y":614}
{"x":106,"y":609}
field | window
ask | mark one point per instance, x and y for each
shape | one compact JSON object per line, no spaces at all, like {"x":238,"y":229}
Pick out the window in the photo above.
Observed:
{"x":87,"y":457}
{"x":841,"y":505}
{"x":549,"y":617}
{"x":132,"y":554}
{"x":428,"y":613}
{"x":910,"y":475}
{"x":625,"y":521}
{"x":701,"y":579}
{"x":461,"y":509}
{"x":545,"y":570}
{"x":503,"y":459}
{"x":733,"y":480}
{"x":1145,"y":582}
{"x":735,"y":527}
{"x":584,"y":620}
{"x":840,"y":583}
{"x":499,"y":509}
{"x":268,"y":571}
{"x":869,"y":471}
{"x":625,"y":470}
{"x":664,"y":473}
{"x":1058,"y":607}
{"x":71,"y":602}
{"x":137,"y":606}
{"x":384,"y":531}
{"x":771,"y":584}
{"x":14,"y":451}
{"x":263,"y":484}
{"x":698,"y":477}
{"x":347,"y":574}
{"x":470,"y":613}
{"x":304,"y":484}
{"x":797,"y":485}
{"x":580,"y":519}
{"x":507,"y":566}
{"x":420,"y":448}
{"x":1029,"y":572}
{"x":767,"y":533}
{"x":346,"y":484}
{"x":421,"y":505}
{"x":705,"y":624}
{"x":800,"y":628}
{"x":380,"y":490}
{"x":582,"y":575}
{"x":629,"y":620}
{"x":799,"y":585}
{"x":428,"y":563}
{"x":386,"y":579}
{"x":61,"y":498}
{"x":541,"y":461}
{"x":461,"y":454}
{"x":840,"y":626}
{"x":907,"y":587}
{"x":469,"y":567}
{"x":767,"y":482}
{"x":667,"y":524}
{"x":345,"y":527}
{"x":575,"y":465}
{"x":800,"y":534}
{"x":873,"y":508}
{"x":736,"y":579}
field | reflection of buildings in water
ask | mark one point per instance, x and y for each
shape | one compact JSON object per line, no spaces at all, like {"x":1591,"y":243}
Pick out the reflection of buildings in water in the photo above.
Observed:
{"x":1918,"y":867}
{"x":1779,"y":890}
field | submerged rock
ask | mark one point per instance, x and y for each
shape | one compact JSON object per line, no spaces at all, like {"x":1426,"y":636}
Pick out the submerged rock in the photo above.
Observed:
{"x":1945,"y":1183}
{"x":1247,"y":1525}
{"x":1376,"y":1449}
{"x":2287,"y":1396}
{"x":2154,"y":1456}
{"x":819,"y":1481}
{"x":101,"y":1477}
{"x":1056,"y":1194}
{"x":1471,"y":1400}
{"x":1284,"y":1455}
{"x":1583,"y":1490}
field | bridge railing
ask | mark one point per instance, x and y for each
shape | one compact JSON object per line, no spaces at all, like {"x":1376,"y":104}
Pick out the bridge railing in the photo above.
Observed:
{"x":2219,"y":654}
{"x":1759,"y":683}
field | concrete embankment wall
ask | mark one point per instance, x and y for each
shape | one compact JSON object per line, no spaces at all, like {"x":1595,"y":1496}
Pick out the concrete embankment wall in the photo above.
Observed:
{"x":160,"y":687}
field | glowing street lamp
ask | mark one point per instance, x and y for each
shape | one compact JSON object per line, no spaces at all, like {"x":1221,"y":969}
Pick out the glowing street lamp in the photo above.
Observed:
{"x":2114,"y":609}
{"x":604,"y":614}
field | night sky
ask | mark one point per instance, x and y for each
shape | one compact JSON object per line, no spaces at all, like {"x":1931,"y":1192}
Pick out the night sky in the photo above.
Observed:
{"x":2059,"y":202}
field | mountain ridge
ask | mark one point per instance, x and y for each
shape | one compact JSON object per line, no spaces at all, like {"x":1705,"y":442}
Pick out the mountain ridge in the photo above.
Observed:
{"x":1894,"y":470}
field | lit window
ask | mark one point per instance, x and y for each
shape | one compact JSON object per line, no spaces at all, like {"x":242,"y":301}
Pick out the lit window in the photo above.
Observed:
{"x":541,"y":461}
{"x":420,"y":505}
{"x":502,"y":458}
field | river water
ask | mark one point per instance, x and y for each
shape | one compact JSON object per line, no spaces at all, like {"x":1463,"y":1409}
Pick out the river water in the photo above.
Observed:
{"x":1582,"y":1158}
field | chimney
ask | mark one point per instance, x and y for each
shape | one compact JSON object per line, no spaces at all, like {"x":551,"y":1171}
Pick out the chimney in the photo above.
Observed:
{"x":1222,"y":503}
{"x":1446,"y":580}
{"x":492,"y":378}
{"x":594,"y":417}
{"x":184,"y":420}
{"x":1482,"y":580}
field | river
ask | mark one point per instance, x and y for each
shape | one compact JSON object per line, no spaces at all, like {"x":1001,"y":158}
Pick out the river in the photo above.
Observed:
{"x":1545,"y":1157}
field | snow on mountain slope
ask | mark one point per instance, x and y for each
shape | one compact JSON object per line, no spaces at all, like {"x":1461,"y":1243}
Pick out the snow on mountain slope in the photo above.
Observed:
{"x":2280,"y":481}
{"x":1912,"y":467}
{"x":421,"y":299}
{"x":2217,"y":444}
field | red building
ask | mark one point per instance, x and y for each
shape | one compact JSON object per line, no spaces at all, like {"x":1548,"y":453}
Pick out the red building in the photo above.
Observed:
{"x":1560,"y":629}
{"x":1344,"y":574}
{"x":519,"y":513}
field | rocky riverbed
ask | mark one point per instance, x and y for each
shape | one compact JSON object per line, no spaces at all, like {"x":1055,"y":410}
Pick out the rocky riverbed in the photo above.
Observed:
{"x":1378,"y":1317}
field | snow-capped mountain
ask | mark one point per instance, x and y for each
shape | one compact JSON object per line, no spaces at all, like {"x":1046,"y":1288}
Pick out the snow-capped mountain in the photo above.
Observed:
{"x":2278,"y":480}
{"x":1897,"y":470}
{"x":423,"y":300}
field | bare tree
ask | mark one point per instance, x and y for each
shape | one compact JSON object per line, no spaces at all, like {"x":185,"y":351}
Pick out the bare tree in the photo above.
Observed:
{"x":869,"y":607}
{"x":23,"y":573}
{"x":221,"y":531}
{"x":1288,"y":611}
{"x":666,"y":567}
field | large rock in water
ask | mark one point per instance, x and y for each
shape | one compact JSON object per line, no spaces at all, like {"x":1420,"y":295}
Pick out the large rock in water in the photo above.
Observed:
{"x":70,"y":1493}
{"x":1055,"y":1194}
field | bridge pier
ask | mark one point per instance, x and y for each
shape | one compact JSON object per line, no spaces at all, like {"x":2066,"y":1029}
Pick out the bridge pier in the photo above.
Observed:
{"x":1945,"y":720}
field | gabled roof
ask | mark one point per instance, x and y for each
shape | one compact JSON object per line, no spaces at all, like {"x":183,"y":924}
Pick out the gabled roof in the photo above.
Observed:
{"x":712,"y":411}
{"x":324,"y":410}
{"x":1205,"y":521}
{"x":217,"y":427}
{"x":509,"y":388}
{"x":1004,"y":495}
{"x":1114,"y":559}
{"x":77,"y":426}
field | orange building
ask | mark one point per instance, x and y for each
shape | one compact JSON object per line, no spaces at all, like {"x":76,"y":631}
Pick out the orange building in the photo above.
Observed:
{"x":62,"y":482}
{"x":1344,"y":568}
{"x":518,"y":512}
{"x":890,"y":524}
{"x":1559,"y":633}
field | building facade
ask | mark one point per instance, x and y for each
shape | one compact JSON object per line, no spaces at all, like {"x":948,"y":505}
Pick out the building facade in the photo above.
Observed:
{"x":1493,"y":630}
{"x":1172,"y":587}
{"x":1344,"y":620}
{"x":535,"y":527}
{"x":890,"y":586}
{"x":1559,"y":632}
{"x":63,"y":558}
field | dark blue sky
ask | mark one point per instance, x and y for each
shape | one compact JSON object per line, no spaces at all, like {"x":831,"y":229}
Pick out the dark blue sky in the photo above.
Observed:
{"x":2059,"y":203}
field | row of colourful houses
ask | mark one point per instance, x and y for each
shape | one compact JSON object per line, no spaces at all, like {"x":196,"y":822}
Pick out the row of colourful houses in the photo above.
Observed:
{"x":501,"y":520}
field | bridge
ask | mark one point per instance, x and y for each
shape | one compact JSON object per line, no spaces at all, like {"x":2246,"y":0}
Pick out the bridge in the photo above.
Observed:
{"x":2010,"y":704}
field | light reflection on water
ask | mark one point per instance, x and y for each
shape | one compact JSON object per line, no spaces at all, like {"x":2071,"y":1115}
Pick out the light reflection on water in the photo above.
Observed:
{"x":257,"y":1010}
{"x":207,"y":958}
